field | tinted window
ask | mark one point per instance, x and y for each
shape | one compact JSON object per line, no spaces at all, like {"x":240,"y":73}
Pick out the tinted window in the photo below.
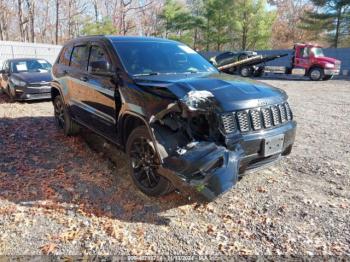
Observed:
{"x":79,"y":57}
{"x":160,"y":57}
{"x":65,"y":56}
{"x":97,"y":54}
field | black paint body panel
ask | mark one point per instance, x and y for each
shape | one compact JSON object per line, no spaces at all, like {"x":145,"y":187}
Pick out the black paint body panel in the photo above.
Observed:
{"x":105,"y":103}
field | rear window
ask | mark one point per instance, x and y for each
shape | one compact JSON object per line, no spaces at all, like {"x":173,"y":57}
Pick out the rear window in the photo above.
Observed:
{"x":79,"y":57}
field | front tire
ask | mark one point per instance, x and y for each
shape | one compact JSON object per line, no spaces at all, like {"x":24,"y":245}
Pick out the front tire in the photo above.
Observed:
{"x":63,"y":119}
{"x":144,"y":163}
{"x":316,"y":74}
{"x":11,"y":93}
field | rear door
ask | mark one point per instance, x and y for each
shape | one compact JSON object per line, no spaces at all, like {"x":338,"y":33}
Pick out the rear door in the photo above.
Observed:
{"x":77,"y":77}
{"x":101,"y":92}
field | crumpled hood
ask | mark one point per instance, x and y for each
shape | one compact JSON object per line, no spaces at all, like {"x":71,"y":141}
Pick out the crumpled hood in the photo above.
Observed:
{"x":231,"y":92}
{"x":33,"y":77}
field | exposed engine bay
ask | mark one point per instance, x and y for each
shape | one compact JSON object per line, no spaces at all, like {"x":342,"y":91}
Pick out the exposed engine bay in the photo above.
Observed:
{"x":191,"y":144}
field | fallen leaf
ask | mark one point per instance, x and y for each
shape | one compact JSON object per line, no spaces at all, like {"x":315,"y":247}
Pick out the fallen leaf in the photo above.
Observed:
{"x":48,"y":248}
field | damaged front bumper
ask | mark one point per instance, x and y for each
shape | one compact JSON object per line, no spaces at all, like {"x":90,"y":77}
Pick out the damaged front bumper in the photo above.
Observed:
{"x":213,"y":169}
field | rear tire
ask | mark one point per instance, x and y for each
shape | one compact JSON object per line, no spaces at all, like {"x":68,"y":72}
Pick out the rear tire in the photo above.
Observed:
{"x":63,"y":118}
{"x":316,"y":74}
{"x":246,"y":71}
{"x":144,"y":162}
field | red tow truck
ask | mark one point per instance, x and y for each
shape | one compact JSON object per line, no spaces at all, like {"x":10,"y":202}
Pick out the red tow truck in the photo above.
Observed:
{"x":307,"y":60}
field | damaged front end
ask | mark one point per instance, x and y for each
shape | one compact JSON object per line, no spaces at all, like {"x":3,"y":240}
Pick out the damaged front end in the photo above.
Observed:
{"x":192,"y":147}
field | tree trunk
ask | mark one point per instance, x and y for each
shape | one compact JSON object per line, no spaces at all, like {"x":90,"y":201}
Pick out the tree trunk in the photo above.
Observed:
{"x":336,"y":37}
{"x":30,"y":5}
{"x":208,"y":29}
{"x":1,"y":33}
{"x":20,"y":21}
{"x":244,"y":31}
{"x":57,"y":21}
{"x":96,"y":10}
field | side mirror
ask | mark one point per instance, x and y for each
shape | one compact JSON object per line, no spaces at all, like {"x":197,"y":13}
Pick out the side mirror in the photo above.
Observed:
{"x":100,"y":68}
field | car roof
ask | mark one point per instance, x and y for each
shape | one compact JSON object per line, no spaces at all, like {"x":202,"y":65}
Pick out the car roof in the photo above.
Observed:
{"x":114,"y":38}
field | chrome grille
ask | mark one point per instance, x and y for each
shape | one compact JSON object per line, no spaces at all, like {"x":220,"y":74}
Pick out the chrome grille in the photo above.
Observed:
{"x":282,"y":113}
{"x":256,"y":118}
{"x":275,"y":115}
{"x":266,"y":113}
{"x":243,"y":121}
{"x":288,"y":112}
{"x":229,"y":122}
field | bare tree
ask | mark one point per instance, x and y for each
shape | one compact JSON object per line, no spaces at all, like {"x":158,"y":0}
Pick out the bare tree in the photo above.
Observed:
{"x":31,"y":11}
{"x":57,"y":20}
{"x":20,"y":20}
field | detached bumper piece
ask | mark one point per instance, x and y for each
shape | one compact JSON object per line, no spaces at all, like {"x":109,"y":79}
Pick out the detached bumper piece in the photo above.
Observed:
{"x":205,"y":166}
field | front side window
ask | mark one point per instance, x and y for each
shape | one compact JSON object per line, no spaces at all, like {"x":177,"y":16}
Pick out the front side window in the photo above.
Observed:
{"x":148,"y":57}
{"x":79,"y":58}
{"x":97,"y":54}
{"x":33,"y":65}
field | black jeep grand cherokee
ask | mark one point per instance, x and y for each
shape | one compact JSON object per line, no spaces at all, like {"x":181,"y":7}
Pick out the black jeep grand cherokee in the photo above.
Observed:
{"x":183,"y":124}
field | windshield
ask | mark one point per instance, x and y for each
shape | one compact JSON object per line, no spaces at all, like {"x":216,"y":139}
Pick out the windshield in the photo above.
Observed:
{"x":39,"y":65}
{"x":317,"y":51}
{"x":147,"y":58}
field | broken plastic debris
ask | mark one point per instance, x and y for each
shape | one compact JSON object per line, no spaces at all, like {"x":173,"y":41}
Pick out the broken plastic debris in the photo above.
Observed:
{"x":195,"y":99}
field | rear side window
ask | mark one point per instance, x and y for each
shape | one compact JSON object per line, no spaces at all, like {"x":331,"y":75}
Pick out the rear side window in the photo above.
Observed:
{"x":79,"y":58}
{"x":65,"y":56}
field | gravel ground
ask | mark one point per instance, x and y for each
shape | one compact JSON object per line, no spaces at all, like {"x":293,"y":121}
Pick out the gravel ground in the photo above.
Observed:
{"x":72,"y":196}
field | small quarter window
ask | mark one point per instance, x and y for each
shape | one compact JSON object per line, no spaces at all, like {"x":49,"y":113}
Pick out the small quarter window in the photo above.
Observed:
{"x":65,"y":56}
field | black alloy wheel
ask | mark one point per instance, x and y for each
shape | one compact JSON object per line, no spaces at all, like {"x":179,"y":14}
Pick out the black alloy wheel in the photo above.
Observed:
{"x":143,"y":161}
{"x":63,"y":119}
{"x":59,"y":112}
{"x":144,"y":164}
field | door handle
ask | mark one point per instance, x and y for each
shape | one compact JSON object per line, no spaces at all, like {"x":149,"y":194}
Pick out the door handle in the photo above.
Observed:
{"x":84,"y":78}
